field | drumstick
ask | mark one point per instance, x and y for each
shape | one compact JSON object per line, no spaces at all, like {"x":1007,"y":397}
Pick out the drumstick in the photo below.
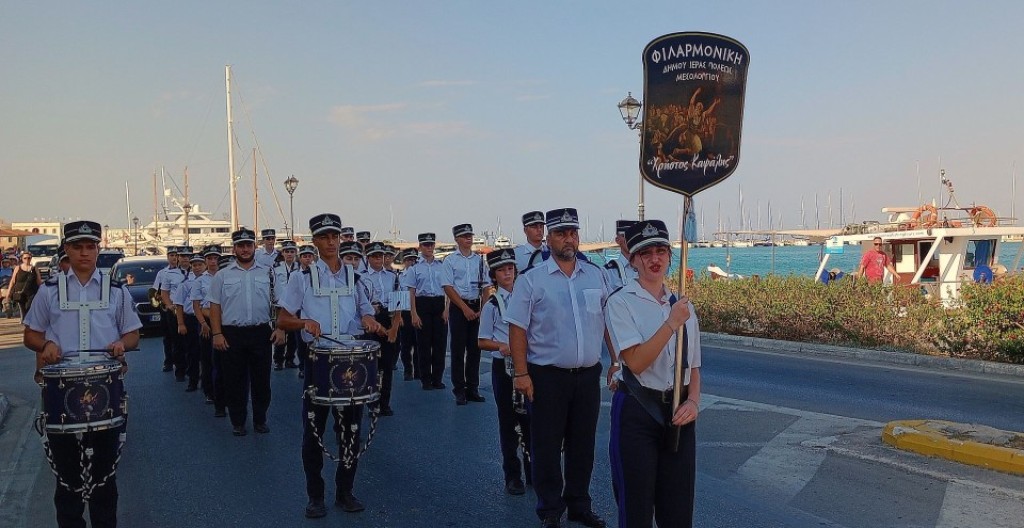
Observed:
{"x":321,"y":336}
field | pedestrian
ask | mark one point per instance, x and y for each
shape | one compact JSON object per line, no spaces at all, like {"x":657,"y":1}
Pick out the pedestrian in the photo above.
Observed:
{"x":556,"y":326}
{"x":240,"y":320}
{"x":533,"y":250}
{"x":466,"y":284}
{"x":653,"y":476}
{"x":24,"y":283}
{"x":334,"y":303}
{"x":429,"y":313}
{"x":875,"y":263}
{"x":55,"y":333}
{"x":513,"y":422}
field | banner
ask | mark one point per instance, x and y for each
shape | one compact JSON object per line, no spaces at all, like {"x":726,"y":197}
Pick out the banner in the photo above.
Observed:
{"x":694,"y":85}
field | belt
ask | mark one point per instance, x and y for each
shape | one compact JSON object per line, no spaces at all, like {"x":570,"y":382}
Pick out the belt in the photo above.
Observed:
{"x":573,"y":370}
{"x":660,"y":396}
{"x":471,"y":301}
{"x":430,"y":296}
{"x":244,"y":327}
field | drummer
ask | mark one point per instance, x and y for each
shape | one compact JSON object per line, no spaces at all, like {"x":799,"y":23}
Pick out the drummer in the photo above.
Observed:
{"x":337,"y":315}
{"x":494,"y":338}
{"x":54,"y":335}
{"x":651,"y":480}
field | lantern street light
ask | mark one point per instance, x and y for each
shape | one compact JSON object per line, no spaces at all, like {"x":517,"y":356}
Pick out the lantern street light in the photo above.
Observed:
{"x":290,"y":185}
{"x":629,"y":109}
{"x":135,"y":222}
{"x":106,"y":236}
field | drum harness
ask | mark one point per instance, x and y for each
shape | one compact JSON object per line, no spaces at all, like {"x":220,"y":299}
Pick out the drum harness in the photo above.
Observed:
{"x":347,"y":442}
{"x":518,"y":403}
{"x":85,"y":457}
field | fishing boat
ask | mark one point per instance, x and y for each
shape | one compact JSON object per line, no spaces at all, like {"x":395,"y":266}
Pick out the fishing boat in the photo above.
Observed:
{"x":502,"y":242}
{"x":935,"y":247}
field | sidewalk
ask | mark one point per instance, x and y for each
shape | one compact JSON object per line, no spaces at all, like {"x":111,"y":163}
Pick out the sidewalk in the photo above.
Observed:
{"x":10,"y":336}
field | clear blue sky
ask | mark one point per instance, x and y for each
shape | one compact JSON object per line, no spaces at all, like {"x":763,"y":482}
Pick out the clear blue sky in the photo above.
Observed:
{"x":448,"y":112}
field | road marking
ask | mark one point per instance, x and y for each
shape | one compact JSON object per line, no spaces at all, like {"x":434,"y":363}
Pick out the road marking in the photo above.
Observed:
{"x":965,"y":505}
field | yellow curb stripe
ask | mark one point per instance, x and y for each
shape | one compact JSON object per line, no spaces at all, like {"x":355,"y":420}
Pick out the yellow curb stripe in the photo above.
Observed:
{"x":918,"y":437}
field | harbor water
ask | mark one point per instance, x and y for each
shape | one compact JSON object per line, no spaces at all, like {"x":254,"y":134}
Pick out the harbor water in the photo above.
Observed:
{"x":782,"y":260}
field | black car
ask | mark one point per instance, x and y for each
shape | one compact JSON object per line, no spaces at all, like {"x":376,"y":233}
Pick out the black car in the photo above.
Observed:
{"x":139,"y":273}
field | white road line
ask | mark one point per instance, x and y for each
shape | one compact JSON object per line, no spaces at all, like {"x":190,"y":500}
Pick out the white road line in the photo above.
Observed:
{"x":965,"y":506}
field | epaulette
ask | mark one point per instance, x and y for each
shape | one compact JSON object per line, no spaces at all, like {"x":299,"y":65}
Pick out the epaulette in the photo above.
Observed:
{"x":611,"y":264}
{"x":356,"y":275}
{"x":616,"y":290}
{"x":494,"y":300}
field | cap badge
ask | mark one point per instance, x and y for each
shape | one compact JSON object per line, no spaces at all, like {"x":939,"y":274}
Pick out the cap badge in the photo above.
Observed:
{"x":505,"y":255}
{"x":566,"y":217}
{"x":649,"y":231}
{"x":85,"y":229}
{"x":327,"y":221}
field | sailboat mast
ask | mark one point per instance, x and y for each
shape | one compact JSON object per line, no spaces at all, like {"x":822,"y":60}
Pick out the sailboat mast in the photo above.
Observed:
{"x":155,"y":217}
{"x":231,"y":151}
{"x":187,"y":207}
{"x":255,"y":195}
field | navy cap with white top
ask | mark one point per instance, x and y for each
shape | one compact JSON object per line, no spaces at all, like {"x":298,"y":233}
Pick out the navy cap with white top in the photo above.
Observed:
{"x":376,"y":247}
{"x":427,"y":238}
{"x":646,"y":233}
{"x":324,"y":223}
{"x":82,"y":230}
{"x":390,"y":250}
{"x":462,"y":229}
{"x":268,"y":233}
{"x":500,"y":257}
{"x":363,"y":236}
{"x":348,"y":230}
{"x":622,"y":225}
{"x":198,"y":257}
{"x":564,"y":218}
{"x":212,"y":249}
{"x":533,"y":217}
{"x":350,"y":247}
{"x":307,"y":249}
{"x":185,"y":250}
{"x":243,"y":235}
{"x":288,"y":244}
{"x":408,"y":254}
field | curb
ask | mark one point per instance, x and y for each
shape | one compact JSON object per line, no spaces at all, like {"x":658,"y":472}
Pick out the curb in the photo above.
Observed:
{"x":975,"y":366}
{"x":921,"y":436}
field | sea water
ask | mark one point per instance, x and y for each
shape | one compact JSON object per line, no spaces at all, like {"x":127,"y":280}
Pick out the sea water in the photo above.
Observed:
{"x":781,"y":260}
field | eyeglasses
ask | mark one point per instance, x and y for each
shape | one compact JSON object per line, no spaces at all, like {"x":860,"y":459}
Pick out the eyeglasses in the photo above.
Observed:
{"x":878,"y":243}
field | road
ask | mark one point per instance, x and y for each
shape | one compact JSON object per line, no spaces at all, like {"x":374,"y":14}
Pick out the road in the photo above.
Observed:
{"x":783,"y":441}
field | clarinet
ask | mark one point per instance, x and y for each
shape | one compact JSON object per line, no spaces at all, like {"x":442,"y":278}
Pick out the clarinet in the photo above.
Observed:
{"x":273,"y":300}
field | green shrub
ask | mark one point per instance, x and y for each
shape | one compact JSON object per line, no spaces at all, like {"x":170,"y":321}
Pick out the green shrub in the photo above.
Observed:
{"x":989,"y":324}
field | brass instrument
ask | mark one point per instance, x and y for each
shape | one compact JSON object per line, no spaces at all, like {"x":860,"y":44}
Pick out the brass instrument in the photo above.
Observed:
{"x":154,"y":297}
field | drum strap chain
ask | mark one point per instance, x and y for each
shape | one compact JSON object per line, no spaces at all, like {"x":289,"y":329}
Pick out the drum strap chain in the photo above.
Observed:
{"x":85,"y":460}
{"x":347,"y":442}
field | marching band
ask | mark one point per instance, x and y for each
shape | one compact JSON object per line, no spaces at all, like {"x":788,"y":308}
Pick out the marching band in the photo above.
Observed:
{"x":338,"y":312}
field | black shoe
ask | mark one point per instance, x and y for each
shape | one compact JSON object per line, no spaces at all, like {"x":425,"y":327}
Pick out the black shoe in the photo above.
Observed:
{"x":167,"y":368}
{"x":278,"y":366}
{"x":460,"y":398}
{"x":439,"y":385}
{"x":552,"y":522}
{"x":475,"y":396}
{"x":588,"y":519}
{"x":515,"y":487}
{"x":191,"y":388}
{"x":219,"y":413}
{"x":408,"y":376}
{"x":387,"y":412}
{"x":209,"y":400}
{"x":349,"y":503}
{"x":316,"y":509}
{"x":239,"y":430}
{"x":261,"y":428}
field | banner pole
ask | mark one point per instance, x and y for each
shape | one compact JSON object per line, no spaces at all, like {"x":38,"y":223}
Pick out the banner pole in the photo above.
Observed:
{"x":677,"y":384}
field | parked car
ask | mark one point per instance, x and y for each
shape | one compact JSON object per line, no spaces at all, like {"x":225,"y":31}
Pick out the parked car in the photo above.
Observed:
{"x":139,"y":273}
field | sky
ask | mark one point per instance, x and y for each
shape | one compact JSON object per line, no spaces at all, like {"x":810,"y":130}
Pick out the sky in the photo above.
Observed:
{"x":424,"y":115}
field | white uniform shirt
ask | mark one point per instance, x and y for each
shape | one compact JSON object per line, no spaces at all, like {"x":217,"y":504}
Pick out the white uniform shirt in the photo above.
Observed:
{"x":61,"y":326}
{"x":298,"y":295}
{"x":620,"y":271}
{"x":634,"y":316}
{"x":264,"y":258}
{"x":492,"y":323}
{"x":243,"y":294}
{"x":200,"y":289}
{"x":524,"y":252}
{"x":182,"y":295}
{"x":467,"y":274}
{"x":563,"y":315}
{"x":282,"y":272}
{"x":425,"y":277}
{"x":381,"y":284}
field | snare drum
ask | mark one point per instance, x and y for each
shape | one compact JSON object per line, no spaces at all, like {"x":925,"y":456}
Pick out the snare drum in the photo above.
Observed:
{"x":343,"y":374}
{"x":83,"y":397}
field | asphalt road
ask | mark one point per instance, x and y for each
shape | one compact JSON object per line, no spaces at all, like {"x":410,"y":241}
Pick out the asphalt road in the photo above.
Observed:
{"x":782,"y":441}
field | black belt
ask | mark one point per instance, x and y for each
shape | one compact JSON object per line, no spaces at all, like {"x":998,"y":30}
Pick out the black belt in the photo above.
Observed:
{"x":664,"y":396}
{"x":243,"y":327}
{"x":430,"y":296}
{"x":573,"y":370}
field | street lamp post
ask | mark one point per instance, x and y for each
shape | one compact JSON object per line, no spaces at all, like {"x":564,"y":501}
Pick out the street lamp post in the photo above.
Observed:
{"x":106,"y":236}
{"x":290,"y":185}
{"x":135,"y":223}
{"x":629,"y":109}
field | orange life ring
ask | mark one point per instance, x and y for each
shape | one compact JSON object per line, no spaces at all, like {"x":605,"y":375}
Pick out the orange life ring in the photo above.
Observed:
{"x":983,"y":216}
{"x":925,"y":216}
